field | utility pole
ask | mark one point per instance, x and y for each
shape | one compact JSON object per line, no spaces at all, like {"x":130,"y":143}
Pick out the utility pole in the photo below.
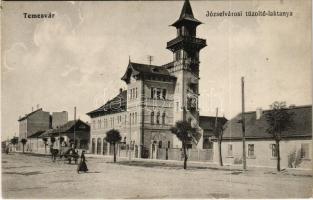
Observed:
{"x":150,"y":59}
{"x":74,"y":127}
{"x":130,"y":135}
{"x":243,"y":124}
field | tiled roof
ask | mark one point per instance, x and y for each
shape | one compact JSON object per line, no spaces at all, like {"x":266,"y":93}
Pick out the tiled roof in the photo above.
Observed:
{"x":68,"y":127}
{"x":208,"y":122}
{"x":29,"y":114}
{"x":137,"y":68}
{"x":256,"y":128}
{"x":115,"y":105}
{"x":37,"y":134}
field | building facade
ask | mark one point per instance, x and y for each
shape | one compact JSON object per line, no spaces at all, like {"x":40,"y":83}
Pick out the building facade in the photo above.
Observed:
{"x":33,"y":122}
{"x":156,"y":96}
{"x":59,"y":119}
{"x":295,"y":146}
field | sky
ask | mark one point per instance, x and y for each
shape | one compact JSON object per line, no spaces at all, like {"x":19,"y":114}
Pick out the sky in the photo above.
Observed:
{"x":78,"y":57}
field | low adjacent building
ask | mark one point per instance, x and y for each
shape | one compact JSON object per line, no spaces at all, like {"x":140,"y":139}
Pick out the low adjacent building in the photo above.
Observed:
{"x":66,"y":134}
{"x":295,"y":146}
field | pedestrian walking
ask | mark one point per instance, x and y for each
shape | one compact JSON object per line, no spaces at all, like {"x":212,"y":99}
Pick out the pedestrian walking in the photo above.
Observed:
{"x":82,"y":164}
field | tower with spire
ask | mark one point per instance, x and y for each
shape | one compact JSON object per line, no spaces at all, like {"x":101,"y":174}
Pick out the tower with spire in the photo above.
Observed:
{"x":156,"y":97}
{"x":186,"y":47}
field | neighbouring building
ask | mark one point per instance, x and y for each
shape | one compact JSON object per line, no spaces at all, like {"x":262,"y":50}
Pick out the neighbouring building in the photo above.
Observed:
{"x":59,"y":118}
{"x":66,"y":134}
{"x":33,"y":124}
{"x":207,"y":124}
{"x":295,"y":146}
{"x":37,"y":120}
{"x":156,"y":97}
{"x":63,"y":135}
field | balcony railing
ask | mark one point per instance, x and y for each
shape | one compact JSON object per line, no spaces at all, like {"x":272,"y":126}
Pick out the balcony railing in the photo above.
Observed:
{"x":158,"y":102}
{"x":188,"y":39}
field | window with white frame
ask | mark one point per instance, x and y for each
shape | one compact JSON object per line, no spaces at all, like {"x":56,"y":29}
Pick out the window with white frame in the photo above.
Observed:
{"x":304,"y":151}
{"x":152,"y":118}
{"x":158,"y":118}
{"x":274,"y":150}
{"x":163,"y":118}
{"x":251,"y":150}
{"x":229,"y":150}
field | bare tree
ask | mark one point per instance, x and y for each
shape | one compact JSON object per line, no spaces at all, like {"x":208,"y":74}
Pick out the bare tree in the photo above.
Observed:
{"x":279,"y":120}
{"x":218,"y":133}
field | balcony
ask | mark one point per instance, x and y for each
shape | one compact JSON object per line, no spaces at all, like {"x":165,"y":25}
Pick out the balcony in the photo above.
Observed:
{"x":165,"y":103}
{"x":193,"y":41}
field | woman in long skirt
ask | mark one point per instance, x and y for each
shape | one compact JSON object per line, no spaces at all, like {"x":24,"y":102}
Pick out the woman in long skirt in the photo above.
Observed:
{"x":82,"y":164}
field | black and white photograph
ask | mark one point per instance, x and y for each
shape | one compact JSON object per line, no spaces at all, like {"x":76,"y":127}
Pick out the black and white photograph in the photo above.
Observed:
{"x":182,"y":99}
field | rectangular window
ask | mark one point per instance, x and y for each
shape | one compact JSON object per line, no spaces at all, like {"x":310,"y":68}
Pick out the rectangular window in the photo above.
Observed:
{"x":158,"y":93}
{"x":230,"y":150}
{"x":274,"y":150}
{"x":152,"y":93}
{"x":250,"y":150}
{"x":164,"y":94}
{"x":305,"y":151}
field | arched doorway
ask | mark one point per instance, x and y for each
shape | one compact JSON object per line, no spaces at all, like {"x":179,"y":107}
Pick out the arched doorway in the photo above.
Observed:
{"x":105,"y":147}
{"x":93,"y":146}
{"x":99,"y":146}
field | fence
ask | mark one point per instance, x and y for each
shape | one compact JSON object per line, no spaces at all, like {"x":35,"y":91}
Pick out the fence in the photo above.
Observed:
{"x":177,"y":154}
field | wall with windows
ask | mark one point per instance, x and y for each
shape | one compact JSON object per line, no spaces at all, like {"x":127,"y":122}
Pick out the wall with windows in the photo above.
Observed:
{"x":263,"y":153}
{"x":100,"y":125}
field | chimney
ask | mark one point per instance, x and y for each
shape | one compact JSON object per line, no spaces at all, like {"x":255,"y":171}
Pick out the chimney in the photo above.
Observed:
{"x":37,"y":106}
{"x":121,"y":90}
{"x":32,"y":108}
{"x":259,"y":113}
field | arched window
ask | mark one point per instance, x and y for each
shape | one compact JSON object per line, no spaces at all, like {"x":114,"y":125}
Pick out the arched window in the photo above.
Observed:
{"x":158,"y":118}
{"x":160,"y":144}
{"x":163,"y":118}
{"x":93,"y":146}
{"x":104,"y":147}
{"x":152,"y":117}
{"x":168,"y":144}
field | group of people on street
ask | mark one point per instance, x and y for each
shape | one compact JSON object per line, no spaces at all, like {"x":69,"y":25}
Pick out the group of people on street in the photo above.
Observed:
{"x":71,"y":154}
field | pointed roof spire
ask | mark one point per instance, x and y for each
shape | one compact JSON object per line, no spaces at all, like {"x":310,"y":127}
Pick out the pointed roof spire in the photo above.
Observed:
{"x":186,"y":11}
{"x":186,"y":15}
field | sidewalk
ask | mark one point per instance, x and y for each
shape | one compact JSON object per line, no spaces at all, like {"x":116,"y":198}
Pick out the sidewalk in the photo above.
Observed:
{"x":193,"y":165}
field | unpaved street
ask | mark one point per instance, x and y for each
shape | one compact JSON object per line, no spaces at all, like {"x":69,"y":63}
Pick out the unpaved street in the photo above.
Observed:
{"x":27,"y":176}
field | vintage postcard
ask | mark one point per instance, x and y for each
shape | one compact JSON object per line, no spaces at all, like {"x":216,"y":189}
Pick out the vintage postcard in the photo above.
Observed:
{"x":156,"y":99}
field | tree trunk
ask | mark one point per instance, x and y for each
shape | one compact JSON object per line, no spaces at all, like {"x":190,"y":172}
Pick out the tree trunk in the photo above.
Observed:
{"x":278,"y":155}
{"x":114,"y":154}
{"x":45,"y":148}
{"x":185,"y":156}
{"x":23,"y":147}
{"x":220,"y":152}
